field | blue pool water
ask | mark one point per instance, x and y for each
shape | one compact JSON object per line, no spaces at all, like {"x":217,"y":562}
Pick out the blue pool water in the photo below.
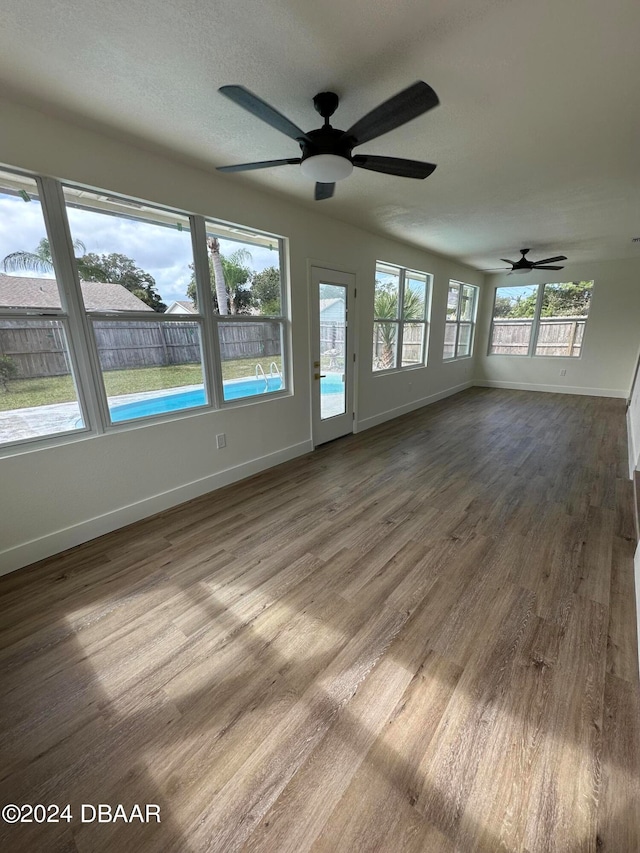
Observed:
{"x":233,"y":390}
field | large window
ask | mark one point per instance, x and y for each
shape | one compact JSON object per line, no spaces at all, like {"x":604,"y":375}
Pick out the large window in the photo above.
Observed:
{"x":38,"y":391}
{"x":542,"y":320}
{"x":249,"y":318}
{"x":113,"y":310}
{"x":459,"y":330}
{"x":134,"y":262}
{"x":400,"y":325}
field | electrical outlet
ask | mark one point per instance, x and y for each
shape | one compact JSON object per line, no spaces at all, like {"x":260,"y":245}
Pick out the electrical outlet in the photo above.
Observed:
{"x":221,"y":441}
{"x":563,"y":372}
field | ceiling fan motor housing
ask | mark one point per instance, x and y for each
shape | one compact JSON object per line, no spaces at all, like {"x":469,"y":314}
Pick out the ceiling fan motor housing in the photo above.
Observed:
{"x":326,"y":140}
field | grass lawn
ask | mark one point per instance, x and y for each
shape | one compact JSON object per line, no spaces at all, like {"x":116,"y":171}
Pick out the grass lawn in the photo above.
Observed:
{"x":24,"y":393}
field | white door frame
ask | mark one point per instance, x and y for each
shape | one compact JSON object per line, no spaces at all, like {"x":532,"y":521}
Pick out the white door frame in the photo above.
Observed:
{"x":329,"y":428}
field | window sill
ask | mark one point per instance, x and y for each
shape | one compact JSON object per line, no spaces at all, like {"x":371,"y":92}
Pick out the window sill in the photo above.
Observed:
{"x":396,"y":370}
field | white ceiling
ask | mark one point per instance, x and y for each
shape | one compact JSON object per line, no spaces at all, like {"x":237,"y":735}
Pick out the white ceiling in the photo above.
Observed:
{"x":536,"y":138}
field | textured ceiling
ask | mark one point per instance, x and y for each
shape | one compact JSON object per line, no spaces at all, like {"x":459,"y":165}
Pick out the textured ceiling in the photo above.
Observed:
{"x":536,"y":138}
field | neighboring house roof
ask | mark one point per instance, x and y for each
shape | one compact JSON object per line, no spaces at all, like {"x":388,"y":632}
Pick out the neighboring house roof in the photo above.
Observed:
{"x":331,"y":309}
{"x":27,"y":292}
{"x":181,"y":306}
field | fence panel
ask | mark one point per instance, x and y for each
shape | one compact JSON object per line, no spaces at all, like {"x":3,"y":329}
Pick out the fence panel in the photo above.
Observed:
{"x":511,"y":337}
{"x":127,"y":344}
{"x":37,"y":347}
{"x":182,"y":343}
{"x":249,"y":340}
{"x":556,"y":336}
{"x":332,"y":335}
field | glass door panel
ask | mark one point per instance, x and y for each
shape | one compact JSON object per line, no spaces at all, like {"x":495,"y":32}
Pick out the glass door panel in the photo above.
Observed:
{"x":332,"y":311}
{"x":333,"y":353}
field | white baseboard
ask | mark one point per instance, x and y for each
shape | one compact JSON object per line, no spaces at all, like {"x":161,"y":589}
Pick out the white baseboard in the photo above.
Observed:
{"x":390,"y":414}
{"x":633,"y":460}
{"x":636,"y":566}
{"x":53,"y":543}
{"x":552,"y":389}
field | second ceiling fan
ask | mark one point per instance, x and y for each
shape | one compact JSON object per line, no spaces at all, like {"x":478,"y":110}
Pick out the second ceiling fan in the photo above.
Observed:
{"x":523,"y":264}
{"x":327,"y":152}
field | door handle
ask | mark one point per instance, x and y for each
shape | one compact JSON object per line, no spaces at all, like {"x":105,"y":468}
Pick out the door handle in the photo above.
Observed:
{"x":319,"y":375}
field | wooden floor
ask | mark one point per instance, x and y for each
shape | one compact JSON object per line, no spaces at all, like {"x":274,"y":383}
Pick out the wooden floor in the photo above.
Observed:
{"x":420,"y":638}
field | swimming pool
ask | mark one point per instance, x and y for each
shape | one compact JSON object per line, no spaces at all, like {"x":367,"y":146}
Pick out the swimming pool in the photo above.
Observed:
{"x":233,"y":389}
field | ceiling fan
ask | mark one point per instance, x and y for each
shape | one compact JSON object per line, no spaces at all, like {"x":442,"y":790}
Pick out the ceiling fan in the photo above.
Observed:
{"x":327,"y":152}
{"x":523,"y":264}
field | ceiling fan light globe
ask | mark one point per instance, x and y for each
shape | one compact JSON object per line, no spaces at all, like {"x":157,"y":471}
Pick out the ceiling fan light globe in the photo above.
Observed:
{"x":326,"y":168}
{"x":520,"y":271}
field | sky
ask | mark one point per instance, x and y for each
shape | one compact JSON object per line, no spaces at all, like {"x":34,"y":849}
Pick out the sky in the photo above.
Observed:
{"x":163,"y":252}
{"x":515,"y":292}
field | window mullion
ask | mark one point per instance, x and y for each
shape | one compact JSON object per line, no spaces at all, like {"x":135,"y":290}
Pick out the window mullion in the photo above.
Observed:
{"x":83,"y":353}
{"x":210,"y":344}
{"x":533,"y":343}
{"x":458,"y":312}
{"x":400,"y":334}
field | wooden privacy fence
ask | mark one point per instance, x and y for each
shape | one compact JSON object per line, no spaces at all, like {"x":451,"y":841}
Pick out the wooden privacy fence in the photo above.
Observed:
{"x":332,"y":334}
{"x":412,"y":344}
{"x":38,"y":346}
{"x":127,"y":344}
{"x":556,"y":336}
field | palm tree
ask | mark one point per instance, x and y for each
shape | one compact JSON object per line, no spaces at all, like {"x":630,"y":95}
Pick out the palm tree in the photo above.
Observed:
{"x":41,"y":261}
{"x":236,"y":275}
{"x":386,"y":306}
{"x":213,"y":245}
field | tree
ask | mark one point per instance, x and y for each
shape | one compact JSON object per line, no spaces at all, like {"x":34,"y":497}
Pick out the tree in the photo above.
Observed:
{"x":386,"y":306}
{"x":327,"y":291}
{"x":570,"y":299}
{"x":520,"y":307}
{"x":567,"y":299}
{"x":41,"y":261}
{"x":8,"y":370}
{"x":265,"y":287}
{"x":217,"y":271}
{"x":121,"y":269}
{"x":234,"y":275}
{"x":503,"y":306}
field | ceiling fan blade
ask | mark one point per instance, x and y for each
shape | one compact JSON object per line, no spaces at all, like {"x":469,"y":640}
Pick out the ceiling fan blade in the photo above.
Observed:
{"x":324,"y":191}
{"x":398,"y":110}
{"x":394,"y":166}
{"x":264,"y":164}
{"x":507,"y":261}
{"x":538,"y":267}
{"x":551,"y":260}
{"x":262,"y":110}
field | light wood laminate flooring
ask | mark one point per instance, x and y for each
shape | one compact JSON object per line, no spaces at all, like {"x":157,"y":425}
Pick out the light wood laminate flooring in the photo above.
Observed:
{"x":419,"y":638}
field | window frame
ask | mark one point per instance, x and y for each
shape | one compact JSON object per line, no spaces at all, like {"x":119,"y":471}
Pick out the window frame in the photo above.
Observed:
{"x":203,"y":280}
{"x":458,"y":322}
{"x":77,"y":321}
{"x":400,"y":322}
{"x":536,"y":322}
{"x":65,"y":316}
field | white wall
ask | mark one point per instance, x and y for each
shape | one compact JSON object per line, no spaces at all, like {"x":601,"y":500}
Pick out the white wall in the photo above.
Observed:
{"x":633,"y":430}
{"x":53,"y":498}
{"x":611,"y":340}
